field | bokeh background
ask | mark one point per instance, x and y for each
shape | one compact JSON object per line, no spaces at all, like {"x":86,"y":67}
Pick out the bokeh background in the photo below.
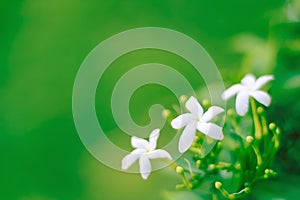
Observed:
{"x":42,"y":44}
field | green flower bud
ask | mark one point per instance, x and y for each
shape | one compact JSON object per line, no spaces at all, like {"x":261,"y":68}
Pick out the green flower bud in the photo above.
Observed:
{"x":247,"y":190}
{"x":230,"y":112}
{"x":260,"y":110}
{"x":277,"y":130}
{"x":198,"y":163}
{"x":182,"y":98}
{"x":249,"y":139}
{"x":272,"y":126}
{"x":166,"y":113}
{"x":212,"y":167}
{"x":237,"y":166}
{"x":218,"y":185}
{"x":205,"y":103}
{"x":179,"y":170}
{"x":247,"y":184}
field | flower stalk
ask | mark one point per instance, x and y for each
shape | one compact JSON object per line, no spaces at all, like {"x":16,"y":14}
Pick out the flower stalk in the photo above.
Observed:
{"x":250,"y":140}
{"x":257,"y":125}
{"x":245,"y":191}
{"x":186,"y":183}
{"x":234,"y":122}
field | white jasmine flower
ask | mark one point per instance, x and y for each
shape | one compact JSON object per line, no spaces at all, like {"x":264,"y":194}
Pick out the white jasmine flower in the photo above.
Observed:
{"x":144,"y":151}
{"x":249,"y":87}
{"x":196,"y":120}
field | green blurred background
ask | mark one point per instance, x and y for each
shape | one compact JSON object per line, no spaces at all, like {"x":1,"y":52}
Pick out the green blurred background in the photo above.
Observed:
{"x":43,"y":44}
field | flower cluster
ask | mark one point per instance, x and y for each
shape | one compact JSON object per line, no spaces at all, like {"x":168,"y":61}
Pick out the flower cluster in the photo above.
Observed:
{"x":196,"y":124}
{"x":195,"y":120}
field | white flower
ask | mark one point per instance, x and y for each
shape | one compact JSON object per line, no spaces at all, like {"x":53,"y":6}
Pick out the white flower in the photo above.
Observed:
{"x":249,"y":87}
{"x":196,"y":120}
{"x":144,"y":151}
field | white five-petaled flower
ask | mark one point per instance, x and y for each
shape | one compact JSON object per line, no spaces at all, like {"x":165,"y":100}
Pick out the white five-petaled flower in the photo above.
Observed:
{"x":249,"y":87}
{"x":144,"y":151}
{"x":196,"y":120}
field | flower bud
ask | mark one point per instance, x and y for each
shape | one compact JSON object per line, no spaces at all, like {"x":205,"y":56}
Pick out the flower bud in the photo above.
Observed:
{"x":212,"y":167}
{"x":230,"y":112}
{"x":166,"y":113}
{"x":237,"y":166}
{"x":205,"y":103}
{"x":219,"y":145}
{"x":198,"y":163}
{"x":249,"y":139}
{"x":247,"y":184}
{"x":197,"y":138}
{"x":272,"y":126}
{"x":260,"y":110}
{"x":218,"y":185}
{"x":179,"y":170}
{"x":182,"y":98}
{"x":247,"y":190}
{"x":277,"y":130}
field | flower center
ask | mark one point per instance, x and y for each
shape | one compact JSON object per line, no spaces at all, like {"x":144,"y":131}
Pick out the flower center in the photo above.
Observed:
{"x":248,"y":88}
{"x":148,"y":150}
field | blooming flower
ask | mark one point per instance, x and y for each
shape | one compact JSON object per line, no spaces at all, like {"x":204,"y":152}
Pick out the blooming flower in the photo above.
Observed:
{"x":196,"y":120}
{"x":249,"y":87}
{"x":144,"y":151}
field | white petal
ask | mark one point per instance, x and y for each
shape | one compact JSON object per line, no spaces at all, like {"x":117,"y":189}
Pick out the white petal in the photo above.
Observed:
{"x":159,"y":153}
{"x":212,"y":130}
{"x":262,"y":97}
{"x":248,"y":80}
{"x":194,"y":107}
{"x":153,"y":138}
{"x":139,"y":143}
{"x":242,"y":103}
{"x":145,"y":166}
{"x":128,"y":160}
{"x":262,"y":80}
{"x":182,"y":120}
{"x":231,"y":91}
{"x":211,"y":113}
{"x":187,"y":137}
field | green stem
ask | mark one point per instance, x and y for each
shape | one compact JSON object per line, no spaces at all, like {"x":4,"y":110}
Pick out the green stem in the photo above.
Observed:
{"x":263,"y":119}
{"x":276,"y":143}
{"x":186,"y":182}
{"x":237,"y":195}
{"x":172,"y":164}
{"x":257,"y":125}
{"x":234,"y":122}
{"x":195,"y":150}
{"x":257,"y":153}
{"x":180,"y":171}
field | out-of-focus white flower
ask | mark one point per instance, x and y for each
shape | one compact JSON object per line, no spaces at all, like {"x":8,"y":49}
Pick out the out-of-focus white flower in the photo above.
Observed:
{"x":196,"y":120}
{"x":249,"y":87}
{"x":144,"y":151}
